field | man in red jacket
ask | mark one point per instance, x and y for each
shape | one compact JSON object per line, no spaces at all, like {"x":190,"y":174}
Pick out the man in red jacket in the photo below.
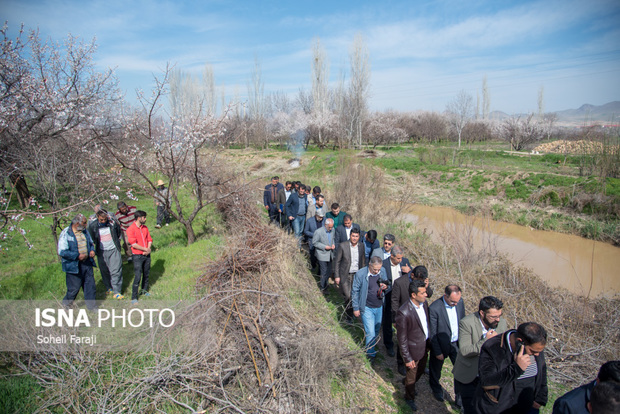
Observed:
{"x":139,"y":238}
{"x":412,"y":328}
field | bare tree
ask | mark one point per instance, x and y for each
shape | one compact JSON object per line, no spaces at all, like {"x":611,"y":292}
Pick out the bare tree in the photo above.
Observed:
{"x":208,"y":85}
{"x":431,"y":127}
{"x":256,"y":105}
{"x":477,"y":131}
{"x":459,"y":112}
{"x":541,"y":103}
{"x":486,"y":99}
{"x":548,"y":123}
{"x":321,"y":116}
{"x":521,"y":132}
{"x":359,"y":89}
{"x":182,"y":147}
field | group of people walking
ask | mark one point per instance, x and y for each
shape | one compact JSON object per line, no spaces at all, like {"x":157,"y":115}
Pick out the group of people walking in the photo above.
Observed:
{"x":496,"y":369}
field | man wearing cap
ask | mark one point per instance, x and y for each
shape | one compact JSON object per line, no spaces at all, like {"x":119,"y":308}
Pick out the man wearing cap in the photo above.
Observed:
{"x":161,"y":202}
{"x":125,"y":217}
{"x":76,"y":249}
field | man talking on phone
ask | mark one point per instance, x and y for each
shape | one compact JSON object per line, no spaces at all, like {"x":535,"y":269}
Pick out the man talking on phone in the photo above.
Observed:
{"x":512,"y":371}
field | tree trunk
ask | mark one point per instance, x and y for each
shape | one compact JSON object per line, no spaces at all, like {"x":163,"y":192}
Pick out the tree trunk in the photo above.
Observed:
{"x":191,"y":236}
{"x":54,"y":226}
{"x":19,"y":183}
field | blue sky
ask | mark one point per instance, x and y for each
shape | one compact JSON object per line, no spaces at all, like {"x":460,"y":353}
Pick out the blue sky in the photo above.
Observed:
{"x":422,"y":53}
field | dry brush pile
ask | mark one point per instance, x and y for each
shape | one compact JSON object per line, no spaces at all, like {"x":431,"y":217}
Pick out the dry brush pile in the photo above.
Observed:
{"x":259,"y":338}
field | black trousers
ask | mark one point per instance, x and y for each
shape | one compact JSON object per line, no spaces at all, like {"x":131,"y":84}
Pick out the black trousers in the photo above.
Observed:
{"x":386,"y":322}
{"x":435,"y":365}
{"x":466,"y":391}
{"x":274,"y":214}
{"x":141,"y":269}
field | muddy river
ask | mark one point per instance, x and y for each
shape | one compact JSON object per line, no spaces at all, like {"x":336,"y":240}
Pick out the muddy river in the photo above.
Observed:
{"x":583,"y":266}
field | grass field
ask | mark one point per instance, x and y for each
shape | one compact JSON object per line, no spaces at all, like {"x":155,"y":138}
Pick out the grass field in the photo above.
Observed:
{"x":545,"y":192}
{"x":463,"y":179}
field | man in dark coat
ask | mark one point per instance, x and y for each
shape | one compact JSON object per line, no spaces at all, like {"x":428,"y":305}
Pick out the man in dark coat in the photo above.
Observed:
{"x":396,"y":266}
{"x":576,"y":401}
{"x":295,"y":208}
{"x":270,"y":199}
{"x":344,"y":230}
{"x":446,"y":313}
{"x":412,"y":321}
{"x":513,"y":372}
{"x":349,"y":259}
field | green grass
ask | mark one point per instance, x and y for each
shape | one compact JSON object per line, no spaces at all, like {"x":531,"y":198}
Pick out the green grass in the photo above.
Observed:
{"x":16,"y":394}
{"x":37,"y":274}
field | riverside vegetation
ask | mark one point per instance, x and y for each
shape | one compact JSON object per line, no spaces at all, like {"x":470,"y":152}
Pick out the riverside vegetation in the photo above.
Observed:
{"x":271,"y":341}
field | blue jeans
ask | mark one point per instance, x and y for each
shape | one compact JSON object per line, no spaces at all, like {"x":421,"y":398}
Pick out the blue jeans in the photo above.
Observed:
{"x":371,"y":318}
{"x":84,"y":280}
{"x":298,"y":224}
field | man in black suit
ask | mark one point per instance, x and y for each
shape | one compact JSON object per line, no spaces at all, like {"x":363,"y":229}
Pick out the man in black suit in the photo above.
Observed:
{"x":270,"y":199}
{"x":349,"y":259}
{"x":445,"y":314}
{"x":400,"y":295}
{"x":412,"y":330}
{"x":344,"y":230}
{"x":395,"y":267}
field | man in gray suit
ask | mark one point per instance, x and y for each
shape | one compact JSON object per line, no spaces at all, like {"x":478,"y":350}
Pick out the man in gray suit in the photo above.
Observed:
{"x":324,"y":247}
{"x":445,"y":314}
{"x":349,"y":259}
{"x":474,"y":330}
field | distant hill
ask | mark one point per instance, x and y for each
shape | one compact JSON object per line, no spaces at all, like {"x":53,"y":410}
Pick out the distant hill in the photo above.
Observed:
{"x":586,"y":114}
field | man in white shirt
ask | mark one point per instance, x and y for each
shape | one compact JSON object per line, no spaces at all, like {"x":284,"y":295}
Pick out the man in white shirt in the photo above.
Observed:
{"x":412,"y":328}
{"x":445,"y":315}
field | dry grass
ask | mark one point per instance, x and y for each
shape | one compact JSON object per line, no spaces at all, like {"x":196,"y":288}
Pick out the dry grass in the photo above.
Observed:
{"x":583,"y":333}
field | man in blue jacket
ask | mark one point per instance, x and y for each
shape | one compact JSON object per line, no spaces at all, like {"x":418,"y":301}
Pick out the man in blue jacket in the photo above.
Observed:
{"x":369,"y":287}
{"x":77,"y":250}
{"x":296,"y":211}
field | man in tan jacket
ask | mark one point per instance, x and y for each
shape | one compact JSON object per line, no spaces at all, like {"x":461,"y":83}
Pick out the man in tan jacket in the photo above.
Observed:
{"x":474,"y":330}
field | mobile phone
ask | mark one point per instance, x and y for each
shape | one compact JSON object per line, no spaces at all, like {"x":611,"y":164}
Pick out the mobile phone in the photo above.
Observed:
{"x":519,"y":346}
